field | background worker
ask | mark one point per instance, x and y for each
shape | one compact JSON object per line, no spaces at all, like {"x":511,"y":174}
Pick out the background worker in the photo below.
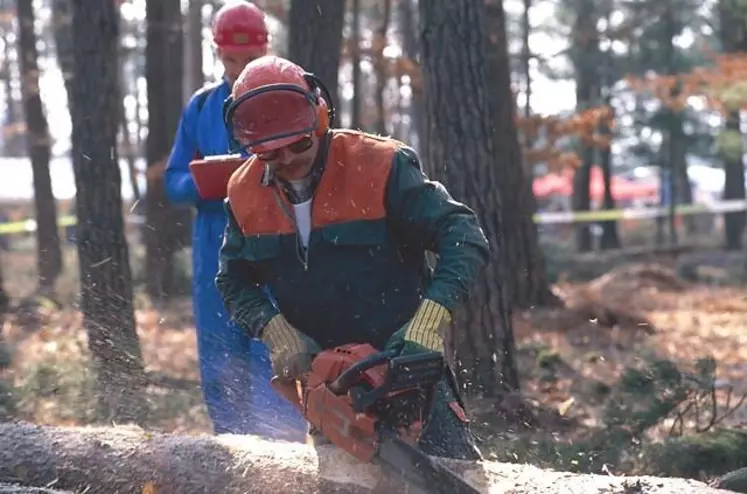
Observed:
{"x":234,"y":368}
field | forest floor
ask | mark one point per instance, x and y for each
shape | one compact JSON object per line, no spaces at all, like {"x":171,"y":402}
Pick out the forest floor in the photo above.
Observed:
{"x":571,"y":360}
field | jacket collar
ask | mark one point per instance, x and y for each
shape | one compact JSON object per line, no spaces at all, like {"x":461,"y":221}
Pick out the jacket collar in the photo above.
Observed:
{"x":315,"y":174}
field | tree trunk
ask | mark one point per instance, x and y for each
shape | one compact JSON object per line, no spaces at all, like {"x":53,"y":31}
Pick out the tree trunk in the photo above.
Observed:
{"x":4,"y":296}
{"x":585,"y":41}
{"x":129,"y":148}
{"x":194,"y":54}
{"x":355,"y":61}
{"x":315,"y":39}
{"x":164,"y":231}
{"x":381,"y":67}
{"x":669,"y":31}
{"x":581,"y":201}
{"x":411,"y":50}
{"x":463,"y":142}
{"x":526,"y":60}
{"x":129,"y":56}
{"x":734,"y":188}
{"x":103,"y":253}
{"x":62,"y":31}
{"x":684,"y":193}
{"x":134,"y":461}
{"x":610,"y":239}
{"x":63,"y":39}
{"x":733,"y":36}
{"x":529,"y":286}
{"x":38,"y":142}
{"x":13,"y":135}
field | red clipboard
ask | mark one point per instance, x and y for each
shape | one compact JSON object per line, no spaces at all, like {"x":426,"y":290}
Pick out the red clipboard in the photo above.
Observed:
{"x":211,"y":174}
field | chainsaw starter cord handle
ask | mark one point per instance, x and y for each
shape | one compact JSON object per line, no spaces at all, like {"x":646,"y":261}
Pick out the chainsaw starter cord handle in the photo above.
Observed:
{"x":352,"y":375}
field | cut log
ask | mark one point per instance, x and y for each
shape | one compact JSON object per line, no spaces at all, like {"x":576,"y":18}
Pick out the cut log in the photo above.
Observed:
{"x":127,"y":460}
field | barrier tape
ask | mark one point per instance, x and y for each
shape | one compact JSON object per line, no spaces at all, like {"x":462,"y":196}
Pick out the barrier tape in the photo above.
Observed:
{"x":730,"y":206}
{"x":29,"y":225}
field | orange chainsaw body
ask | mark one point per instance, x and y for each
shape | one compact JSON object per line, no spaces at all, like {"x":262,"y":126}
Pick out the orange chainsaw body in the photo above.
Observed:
{"x":349,"y":390}
{"x":334,"y":415}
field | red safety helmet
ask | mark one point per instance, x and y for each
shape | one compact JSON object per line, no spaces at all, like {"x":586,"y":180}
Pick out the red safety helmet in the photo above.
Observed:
{"x":274,"y":103}
{"x":239,"y":25}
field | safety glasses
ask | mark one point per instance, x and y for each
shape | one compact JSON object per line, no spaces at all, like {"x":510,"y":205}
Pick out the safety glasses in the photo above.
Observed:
{"x":298,"y":147}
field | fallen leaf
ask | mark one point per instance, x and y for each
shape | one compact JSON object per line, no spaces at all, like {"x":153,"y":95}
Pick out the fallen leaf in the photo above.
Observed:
{"x":565,"y":406}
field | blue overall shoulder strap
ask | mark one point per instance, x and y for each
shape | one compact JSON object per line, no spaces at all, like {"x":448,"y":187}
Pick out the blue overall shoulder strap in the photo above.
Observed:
{"x":202,"y":96}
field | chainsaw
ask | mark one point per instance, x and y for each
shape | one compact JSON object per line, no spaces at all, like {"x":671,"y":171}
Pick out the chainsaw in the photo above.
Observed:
{"x":373,"y":405}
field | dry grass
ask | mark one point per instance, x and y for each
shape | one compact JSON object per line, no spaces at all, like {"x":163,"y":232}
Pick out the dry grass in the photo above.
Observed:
{"x":50,"y":359}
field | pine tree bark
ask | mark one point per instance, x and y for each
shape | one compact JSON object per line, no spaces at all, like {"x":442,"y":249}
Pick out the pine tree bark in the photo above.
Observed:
{"x":586,"y":64}
{"x":315,"y":39}
{"x":529,"y":286}
{"x":381,"y":66}
{"x":463,"y":153}
{"x":356,"y":101}
{"x":733,"y":37}
{"x":610,"y":238}
{"x":63,"y":39}
{"x":103,"y":253}
{"x":167,"y":226}
{"x":196,"y":77}
{"x":13,"y":137}
{"x":411,"y":49}
{"x":38,"y":143}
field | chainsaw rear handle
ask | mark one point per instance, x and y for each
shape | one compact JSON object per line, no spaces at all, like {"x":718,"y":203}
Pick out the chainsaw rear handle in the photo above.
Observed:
{"x":352,"y":375}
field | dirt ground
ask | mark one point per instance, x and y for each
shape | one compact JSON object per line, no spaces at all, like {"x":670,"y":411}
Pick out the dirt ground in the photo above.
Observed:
{"x":619,"y":320}
{"x":567,"y":357}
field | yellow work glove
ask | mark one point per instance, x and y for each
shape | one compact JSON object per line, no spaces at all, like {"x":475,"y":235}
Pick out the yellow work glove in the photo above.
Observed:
{"x":291,"y":351}
{"x":426,"y":328}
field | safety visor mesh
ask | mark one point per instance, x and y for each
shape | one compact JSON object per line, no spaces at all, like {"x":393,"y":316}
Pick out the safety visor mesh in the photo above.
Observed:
{"x":273,"y":114}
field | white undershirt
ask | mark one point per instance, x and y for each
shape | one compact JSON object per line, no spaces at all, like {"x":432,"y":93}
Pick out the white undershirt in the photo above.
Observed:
{"x":303,"y":220}
{"x":303,"y":213}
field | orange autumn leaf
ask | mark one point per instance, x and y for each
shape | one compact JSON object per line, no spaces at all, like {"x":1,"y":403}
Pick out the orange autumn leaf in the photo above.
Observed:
{"x":149,"y":488}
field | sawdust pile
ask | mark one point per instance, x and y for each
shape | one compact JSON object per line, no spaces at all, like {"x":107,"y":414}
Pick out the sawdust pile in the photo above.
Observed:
{"x":20,"y":489}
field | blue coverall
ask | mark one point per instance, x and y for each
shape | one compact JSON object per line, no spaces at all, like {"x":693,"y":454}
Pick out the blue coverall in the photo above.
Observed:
{"x":235,"y":369}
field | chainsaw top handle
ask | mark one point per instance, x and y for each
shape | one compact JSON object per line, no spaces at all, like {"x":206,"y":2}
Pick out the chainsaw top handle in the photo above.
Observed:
{"x":404,"y":372}
{"x":352,"y":375}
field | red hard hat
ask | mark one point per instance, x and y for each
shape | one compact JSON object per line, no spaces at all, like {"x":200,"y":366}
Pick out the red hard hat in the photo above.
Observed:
{"x":274,"y":105}
{"x":239,"y":25}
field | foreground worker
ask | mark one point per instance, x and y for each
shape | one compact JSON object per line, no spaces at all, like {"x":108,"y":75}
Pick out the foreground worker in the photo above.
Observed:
{"x":234,"y":368}
{"x":337,"y":224}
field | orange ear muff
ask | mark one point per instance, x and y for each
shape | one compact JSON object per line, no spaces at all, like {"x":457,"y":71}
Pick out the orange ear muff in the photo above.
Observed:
{"x":325,"y":107}
{"x":322,"y":116}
